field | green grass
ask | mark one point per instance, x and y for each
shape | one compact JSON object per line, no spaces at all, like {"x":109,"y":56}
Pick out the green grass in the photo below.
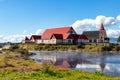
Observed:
{"x":55,"y":75}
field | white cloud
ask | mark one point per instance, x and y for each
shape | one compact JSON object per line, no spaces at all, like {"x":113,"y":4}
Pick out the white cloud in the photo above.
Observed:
{"x":107,"y":21}
{"x":25,"y":32}
{"x":83,"y":24}
{"x":118,"y":17}
{"x":113,"y":33}
{"x":1,"y":36}
{"x":17,"y":37}
{"x":12,"y":38}
{"x":39,"y":31}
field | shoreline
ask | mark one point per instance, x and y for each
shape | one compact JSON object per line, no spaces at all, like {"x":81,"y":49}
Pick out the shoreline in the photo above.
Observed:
{"x":79,"y":48}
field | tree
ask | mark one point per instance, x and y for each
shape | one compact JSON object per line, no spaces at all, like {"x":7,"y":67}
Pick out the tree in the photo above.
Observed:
{"x":118,"y":39}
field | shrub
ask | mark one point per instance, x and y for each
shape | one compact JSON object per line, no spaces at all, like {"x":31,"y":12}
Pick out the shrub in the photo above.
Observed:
{"x":107,"y":48}
{"x":117,"y":48}
{"x":13,"y":47}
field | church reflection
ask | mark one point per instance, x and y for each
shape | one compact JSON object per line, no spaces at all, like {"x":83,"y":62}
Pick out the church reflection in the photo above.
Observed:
{"x":81,"y":61}
{"x":102,"y":62}
{"x":71,"y":61}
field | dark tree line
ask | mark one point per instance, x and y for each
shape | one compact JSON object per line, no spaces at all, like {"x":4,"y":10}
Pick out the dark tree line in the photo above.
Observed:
{"x":118,"y":39}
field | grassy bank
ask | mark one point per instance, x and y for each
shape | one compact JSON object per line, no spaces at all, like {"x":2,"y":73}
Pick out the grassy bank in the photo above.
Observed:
{"x":55,"y":75}
{"x":83,"y":48}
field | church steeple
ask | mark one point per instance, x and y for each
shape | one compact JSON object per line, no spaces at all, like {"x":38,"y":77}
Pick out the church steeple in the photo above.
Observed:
{"x":102,"y":27}
{"x":102,"y":34}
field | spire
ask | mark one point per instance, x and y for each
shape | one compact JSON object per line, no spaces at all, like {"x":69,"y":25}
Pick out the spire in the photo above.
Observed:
{"x":101,"y":26}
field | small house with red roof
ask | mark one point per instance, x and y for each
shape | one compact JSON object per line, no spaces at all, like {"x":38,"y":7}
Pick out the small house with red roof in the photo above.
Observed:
{"x":63,"y":35}
{"x":26,"y":40}
{"x":34,"y":38}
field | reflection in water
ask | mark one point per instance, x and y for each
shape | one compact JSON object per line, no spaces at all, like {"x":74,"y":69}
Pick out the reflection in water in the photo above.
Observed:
{"x":104,"y":62}
{"x":102,"y":66}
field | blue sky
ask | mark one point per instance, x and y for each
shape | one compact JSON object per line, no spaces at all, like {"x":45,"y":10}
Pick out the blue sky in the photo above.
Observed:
{"x":25,"y":17}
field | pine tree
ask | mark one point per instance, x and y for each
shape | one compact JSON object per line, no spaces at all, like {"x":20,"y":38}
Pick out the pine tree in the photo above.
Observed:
{"x":118,"y":39}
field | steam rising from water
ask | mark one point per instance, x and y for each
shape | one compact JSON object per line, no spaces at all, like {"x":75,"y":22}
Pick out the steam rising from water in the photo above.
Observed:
{"x":104,"y":62}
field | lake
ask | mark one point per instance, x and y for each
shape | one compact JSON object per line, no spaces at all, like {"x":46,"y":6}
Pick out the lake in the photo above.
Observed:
{"x":106,"y":62}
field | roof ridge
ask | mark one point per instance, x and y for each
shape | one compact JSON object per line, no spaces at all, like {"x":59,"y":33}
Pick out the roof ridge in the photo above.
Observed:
{"x":92,"y":31}
{"x":60,"y":27}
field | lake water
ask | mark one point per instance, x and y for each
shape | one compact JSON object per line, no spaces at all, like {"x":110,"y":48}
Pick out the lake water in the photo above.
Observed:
{"x":106,"y":62}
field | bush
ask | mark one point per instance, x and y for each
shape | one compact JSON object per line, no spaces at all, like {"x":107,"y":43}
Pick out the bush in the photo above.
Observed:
{"x":117,"y":48}
{"x":72,"y":48}
{"x":107,"y":48}
{"x":13,"y":47}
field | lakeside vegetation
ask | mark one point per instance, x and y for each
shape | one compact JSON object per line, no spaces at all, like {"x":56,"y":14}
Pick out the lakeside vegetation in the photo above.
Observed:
{"x":13,"y":67}
{"x":55,"y":75}
{"x":81,"y":48}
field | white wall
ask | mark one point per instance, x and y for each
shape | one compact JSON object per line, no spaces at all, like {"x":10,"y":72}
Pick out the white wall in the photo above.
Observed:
{"x":66,"y":41}
{"x":82,"y":40}
{"x":51,"y":41}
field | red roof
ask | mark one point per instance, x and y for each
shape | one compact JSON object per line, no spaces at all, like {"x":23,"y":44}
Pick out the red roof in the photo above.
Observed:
{"x":35,"y":37}
{"x":101,"y":27}
{"x":57,"y":36}
{"x":77,"y":36}
{"x":65,"y":64}
{"x":82,"y":37}
{"x":62,"y":31}
{"x":72,"y":36}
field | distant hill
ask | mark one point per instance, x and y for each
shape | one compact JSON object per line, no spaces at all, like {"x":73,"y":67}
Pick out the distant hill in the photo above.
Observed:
{"x":1,"y":44}
{"x":113,"y":40}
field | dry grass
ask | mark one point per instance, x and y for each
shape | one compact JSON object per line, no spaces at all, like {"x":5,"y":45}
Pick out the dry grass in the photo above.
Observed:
{"x":18,"y":65}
